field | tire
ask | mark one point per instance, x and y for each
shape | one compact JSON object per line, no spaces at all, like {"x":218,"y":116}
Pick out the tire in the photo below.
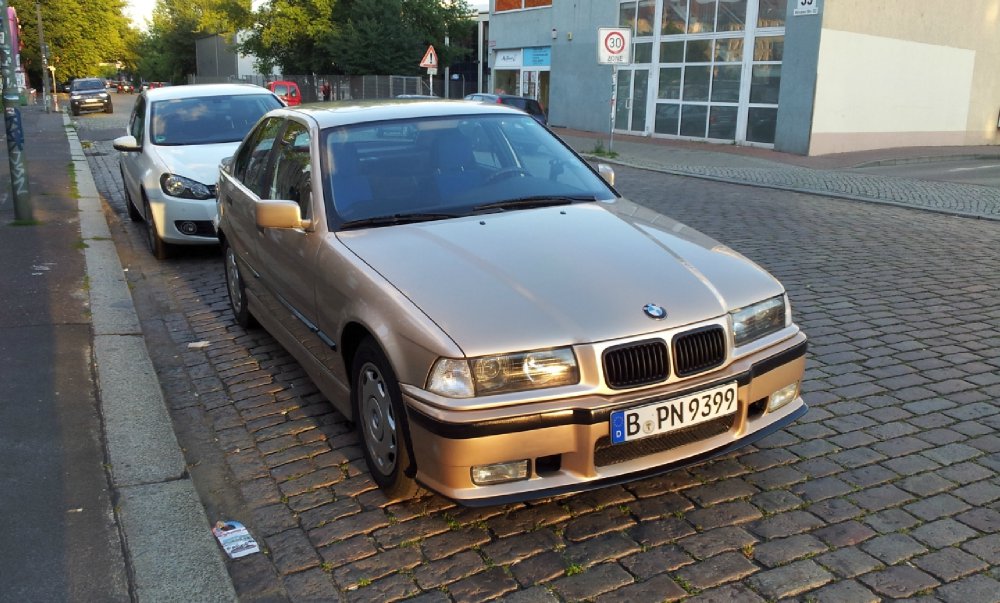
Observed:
{"x":133,"y":212}
{"x":75,"y":111}
{"x":236,"y":288}
{"x":381,"y":422}
{"x":109,"y":108}
{"x":157,"y":246}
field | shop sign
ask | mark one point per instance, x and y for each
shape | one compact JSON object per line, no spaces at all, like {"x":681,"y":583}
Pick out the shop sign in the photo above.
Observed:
{"x":538,"y":57}
{"x":508,"y":59}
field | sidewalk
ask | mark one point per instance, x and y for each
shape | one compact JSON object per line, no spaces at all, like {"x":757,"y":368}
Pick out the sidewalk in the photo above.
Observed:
{"x":821,"y":175}
{"x":95,"y":503}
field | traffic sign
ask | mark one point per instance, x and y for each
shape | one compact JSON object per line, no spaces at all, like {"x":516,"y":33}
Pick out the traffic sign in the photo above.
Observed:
{"x":614,"y":46}
{"x":430,"y":59}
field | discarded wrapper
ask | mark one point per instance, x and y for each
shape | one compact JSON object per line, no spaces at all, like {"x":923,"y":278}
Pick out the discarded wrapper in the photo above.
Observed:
{"x":235,"y":539}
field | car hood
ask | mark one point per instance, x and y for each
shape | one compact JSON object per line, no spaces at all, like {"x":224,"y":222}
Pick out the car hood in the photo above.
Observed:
{"x":198,"y":162}
{"x":556,"y":276}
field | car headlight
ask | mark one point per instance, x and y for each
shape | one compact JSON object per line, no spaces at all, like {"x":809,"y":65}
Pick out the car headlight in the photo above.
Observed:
{"x":503,"y":373}
{"x":760,"y":319}
{"x":185,"y":188}
{"x":74,"y":96}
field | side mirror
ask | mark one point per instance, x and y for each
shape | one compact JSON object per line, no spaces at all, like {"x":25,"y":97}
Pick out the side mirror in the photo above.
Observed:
{"x":280,"y":214}
{"x":606,"y":172}
{"x":126,"y":144}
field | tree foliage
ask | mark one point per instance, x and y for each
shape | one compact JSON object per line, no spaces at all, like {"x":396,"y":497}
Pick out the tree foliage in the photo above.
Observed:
{"x":355,"y":36}
{"x":80,"y":34}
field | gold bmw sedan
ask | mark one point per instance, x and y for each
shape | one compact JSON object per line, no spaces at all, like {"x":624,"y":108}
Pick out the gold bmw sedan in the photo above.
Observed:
{"x":496,"y":320}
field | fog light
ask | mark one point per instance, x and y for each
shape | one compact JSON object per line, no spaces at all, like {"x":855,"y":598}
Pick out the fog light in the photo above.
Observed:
{"x":187,"y":227}
{"x":783,"y":396}
{"x":498,"y":473}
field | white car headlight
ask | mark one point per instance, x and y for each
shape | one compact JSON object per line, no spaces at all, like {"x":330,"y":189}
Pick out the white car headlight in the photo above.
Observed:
{"x":503,"y":373}
{"x":185,"y":188}
{"x":760,"y":319}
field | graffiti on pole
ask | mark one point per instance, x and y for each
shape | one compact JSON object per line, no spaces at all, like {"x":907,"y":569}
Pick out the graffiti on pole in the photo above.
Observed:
{"x":15,"y":148}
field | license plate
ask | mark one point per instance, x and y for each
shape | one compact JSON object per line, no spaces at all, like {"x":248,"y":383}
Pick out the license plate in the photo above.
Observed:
{"x":670,"y":415}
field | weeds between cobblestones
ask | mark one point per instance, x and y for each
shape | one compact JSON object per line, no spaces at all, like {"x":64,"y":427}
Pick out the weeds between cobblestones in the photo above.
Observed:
{"x":888,"y":488}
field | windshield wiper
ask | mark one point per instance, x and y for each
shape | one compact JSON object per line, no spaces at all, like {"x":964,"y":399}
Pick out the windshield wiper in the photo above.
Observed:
{"x":534,"y":201}
{"x":394,"y":219}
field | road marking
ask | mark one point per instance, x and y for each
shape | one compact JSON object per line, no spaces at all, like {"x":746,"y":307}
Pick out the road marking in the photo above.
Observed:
{"x":982,"y":167}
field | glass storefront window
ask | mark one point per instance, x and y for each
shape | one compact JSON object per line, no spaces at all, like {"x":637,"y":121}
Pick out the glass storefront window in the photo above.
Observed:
{"x":732,"y":15}
{"x":642,"y":53}
{"x":667,"y":118}
{"x":770,"y":48}
{"x":760,"y":124}
{"x":699,"y":51}
{"x":693,"y":119}
{"x":764,"y":83}
{"x":726,"y":83}
{"x":701,"y":18}
{"x":771,"y":13}
{"x":671,"y":52}
{"x":674,"y":17}
{"x":722,"y":122}
{"x":696,"y":82}
{"x":670,"y":83}
{"x":626,"y":15}
{"x":729,"y":50}
{"x":645,"y":18}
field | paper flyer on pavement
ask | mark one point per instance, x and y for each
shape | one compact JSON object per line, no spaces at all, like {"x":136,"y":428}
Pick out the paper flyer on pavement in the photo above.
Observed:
{"x":235,"y":539}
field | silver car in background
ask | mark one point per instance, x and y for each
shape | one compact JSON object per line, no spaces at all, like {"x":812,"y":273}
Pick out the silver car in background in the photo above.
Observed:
{"x":177,"y":136}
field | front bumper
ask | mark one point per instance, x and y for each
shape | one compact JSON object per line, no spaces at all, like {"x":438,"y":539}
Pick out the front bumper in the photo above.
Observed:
{"x":169,"y":211}
{"x":565,"y":446}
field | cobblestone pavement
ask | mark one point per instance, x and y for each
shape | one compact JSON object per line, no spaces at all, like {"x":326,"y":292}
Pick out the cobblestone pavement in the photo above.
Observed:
{"x":944,"y":197}
{"x":887,"y":489}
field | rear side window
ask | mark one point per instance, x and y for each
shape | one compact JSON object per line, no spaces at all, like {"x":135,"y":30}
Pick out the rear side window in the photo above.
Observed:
{"x":251,"y":161}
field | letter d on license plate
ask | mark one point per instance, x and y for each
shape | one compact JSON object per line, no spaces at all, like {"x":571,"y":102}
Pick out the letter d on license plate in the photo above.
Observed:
{"x":670,"y":415}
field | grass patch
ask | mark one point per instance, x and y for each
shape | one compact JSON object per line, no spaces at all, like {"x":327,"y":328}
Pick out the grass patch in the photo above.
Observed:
{"x":74,"y":190}
{"x":574,"y":569}
{"x":600,"y":151}
{"x":81,"y":244}
{"x":25,"y":223}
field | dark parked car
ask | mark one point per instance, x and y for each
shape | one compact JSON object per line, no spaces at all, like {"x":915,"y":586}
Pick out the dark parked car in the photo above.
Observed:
{"x":524,"y":103}
{"x":87,"y":94}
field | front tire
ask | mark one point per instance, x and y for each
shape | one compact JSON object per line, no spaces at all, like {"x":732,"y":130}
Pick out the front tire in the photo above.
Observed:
{"x":157,"y":246}
{"x":133,"y":212}
{"x":109,"y":108}
{"x":236,"y":288}
{"x":381,"y":422}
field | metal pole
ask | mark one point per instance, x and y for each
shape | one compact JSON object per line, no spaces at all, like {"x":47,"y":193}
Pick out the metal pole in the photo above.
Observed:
{"x":43,"y":49}
{"x":12,"y":121}
{"x":614,"y":105}
{"x":447,"y":70}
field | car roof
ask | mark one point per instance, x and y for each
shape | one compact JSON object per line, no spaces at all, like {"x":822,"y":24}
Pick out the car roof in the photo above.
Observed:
{"x":199,"y":90}
{"x":340,"y":113}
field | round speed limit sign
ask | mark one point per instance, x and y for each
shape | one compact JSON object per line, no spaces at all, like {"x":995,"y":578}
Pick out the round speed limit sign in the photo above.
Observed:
{"x":613,"y":45}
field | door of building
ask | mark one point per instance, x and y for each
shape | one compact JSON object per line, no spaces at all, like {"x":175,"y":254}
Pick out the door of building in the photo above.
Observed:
{"x":633,"y":95}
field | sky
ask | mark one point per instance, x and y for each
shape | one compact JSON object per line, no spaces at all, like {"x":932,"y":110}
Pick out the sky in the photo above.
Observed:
{"x":141,"y":10}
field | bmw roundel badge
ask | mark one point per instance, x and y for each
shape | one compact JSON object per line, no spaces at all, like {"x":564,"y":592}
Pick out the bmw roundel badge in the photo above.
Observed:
{"x":655,"y":312}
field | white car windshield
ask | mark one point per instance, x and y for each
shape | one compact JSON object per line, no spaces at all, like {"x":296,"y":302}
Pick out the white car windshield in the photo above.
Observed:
{"x":207,"y":119}
{"x":438,"y":167}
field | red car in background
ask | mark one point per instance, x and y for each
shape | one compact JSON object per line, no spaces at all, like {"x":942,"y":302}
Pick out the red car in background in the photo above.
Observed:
{"x":287,"y":91}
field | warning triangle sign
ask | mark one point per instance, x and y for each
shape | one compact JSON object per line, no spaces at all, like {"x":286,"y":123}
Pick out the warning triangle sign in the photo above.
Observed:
{"x":430,"y":59}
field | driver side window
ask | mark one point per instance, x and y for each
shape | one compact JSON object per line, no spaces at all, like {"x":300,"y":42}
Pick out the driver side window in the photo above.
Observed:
{"x":291,"y":177}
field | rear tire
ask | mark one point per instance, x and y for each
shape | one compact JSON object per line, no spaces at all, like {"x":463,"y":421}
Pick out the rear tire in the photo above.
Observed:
{"x":381,"y":422}
{"x":157,"y":246}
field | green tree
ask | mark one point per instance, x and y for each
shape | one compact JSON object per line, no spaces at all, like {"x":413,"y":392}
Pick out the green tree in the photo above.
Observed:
{"x":355,"y":36}
{"x":80,"y":34}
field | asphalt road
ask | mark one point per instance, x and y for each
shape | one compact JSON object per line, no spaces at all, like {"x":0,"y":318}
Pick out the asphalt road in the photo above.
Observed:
{"x":886,"y":489}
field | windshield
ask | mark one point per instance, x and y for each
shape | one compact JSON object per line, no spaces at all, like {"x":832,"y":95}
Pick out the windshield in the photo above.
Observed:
{"x":207,"y":119}
{"x":450,"y":166}
{"x":84,"y":85}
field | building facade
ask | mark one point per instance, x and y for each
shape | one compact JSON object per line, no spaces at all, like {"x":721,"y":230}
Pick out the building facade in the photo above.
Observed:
{"x":802,"y":76}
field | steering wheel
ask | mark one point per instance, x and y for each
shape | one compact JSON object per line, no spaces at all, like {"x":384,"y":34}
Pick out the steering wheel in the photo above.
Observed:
{"x":507,"y":173}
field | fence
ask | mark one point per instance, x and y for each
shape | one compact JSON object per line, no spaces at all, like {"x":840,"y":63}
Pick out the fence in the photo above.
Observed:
{"x":353,"y":87}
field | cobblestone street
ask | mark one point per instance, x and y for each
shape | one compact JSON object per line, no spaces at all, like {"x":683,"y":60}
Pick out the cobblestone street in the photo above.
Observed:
{"x":887,"y":489}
